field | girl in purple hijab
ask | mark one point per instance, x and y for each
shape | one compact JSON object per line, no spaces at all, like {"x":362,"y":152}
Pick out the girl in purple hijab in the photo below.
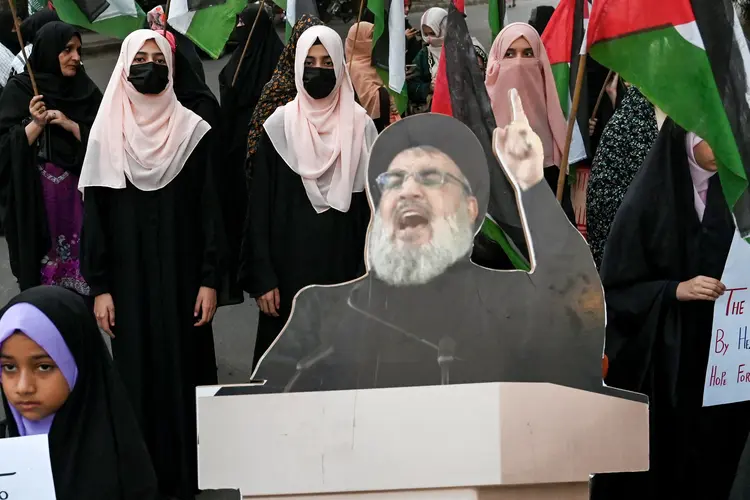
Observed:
{"x":57,"y":379}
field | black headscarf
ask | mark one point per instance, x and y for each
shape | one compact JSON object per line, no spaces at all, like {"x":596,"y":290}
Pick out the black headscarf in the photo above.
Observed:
{"x":77,"y":97}
{"x":96,"y":448}
{"x":190,"y":77}
{"x":31,"y":26}
{"x":256,"y":68}
{"x":540,"y":17}
{"x":8,"y":37}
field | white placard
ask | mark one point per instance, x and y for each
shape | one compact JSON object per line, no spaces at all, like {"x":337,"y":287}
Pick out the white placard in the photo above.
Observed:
{"x":728,"y":373}
{"x":25,"y":469}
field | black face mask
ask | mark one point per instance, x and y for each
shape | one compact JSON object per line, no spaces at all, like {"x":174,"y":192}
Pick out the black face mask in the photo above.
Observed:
{"x":149,"y":78}
{"x":319,"y":82}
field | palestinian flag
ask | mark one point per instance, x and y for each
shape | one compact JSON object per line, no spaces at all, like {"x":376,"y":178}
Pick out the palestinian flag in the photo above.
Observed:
{"x":389,"y":45}
{"x":209,"y":28}
{"x":690,"y":58}
{"x":116,"y":19}
{"x":468,"y":101}
{"x":564,"y":38}
{"x":496,"y":14}
{"x":295,"y":9}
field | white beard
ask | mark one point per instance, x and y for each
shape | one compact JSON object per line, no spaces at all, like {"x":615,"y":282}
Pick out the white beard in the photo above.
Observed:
{"x":401,"y":264}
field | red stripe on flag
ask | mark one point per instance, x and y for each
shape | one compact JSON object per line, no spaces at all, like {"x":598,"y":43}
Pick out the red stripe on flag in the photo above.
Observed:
{"x":441,"y":98}
{"x":618,"y":18}
{"x":558,"y":35}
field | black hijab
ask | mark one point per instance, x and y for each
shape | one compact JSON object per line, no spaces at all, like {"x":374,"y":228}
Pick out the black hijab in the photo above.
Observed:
{"x":96,"y":448}
{"x":77,"y":97}
{"x":189,"y":77}
{"x":31,"y":26}
{"x":8,"y":37}
{"x":256,"y":68}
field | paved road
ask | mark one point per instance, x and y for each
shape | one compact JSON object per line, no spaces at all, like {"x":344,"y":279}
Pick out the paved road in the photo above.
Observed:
{"x":234,"y":327}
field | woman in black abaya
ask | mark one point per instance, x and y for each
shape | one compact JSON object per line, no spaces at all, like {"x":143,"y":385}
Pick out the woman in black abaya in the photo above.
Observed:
{"x":237,"y":106}
{"x":152,"y":250}
{"x":42,"y":145}
{"x":238,"y":101}
{"x":96,"y":449}
{"x":663,"y":261}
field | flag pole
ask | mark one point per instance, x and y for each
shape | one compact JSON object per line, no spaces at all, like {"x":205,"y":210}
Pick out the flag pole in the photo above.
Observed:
{"x":601,"y":94}
{"x":572,"y":118}
{"x":356,"y":32}
{"x":166,"y":17}
{"x":17,"y":26}
{"x":247,"y":42}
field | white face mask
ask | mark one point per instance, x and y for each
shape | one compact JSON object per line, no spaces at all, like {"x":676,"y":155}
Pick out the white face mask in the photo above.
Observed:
{"x":435,"y":41}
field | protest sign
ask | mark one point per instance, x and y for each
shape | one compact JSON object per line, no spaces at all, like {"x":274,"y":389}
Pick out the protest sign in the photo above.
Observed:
{"x":728,"y":372}
{"x":25,"y":469}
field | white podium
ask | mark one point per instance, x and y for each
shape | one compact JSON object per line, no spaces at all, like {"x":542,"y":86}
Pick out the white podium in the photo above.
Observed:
{"x":494,"y":441}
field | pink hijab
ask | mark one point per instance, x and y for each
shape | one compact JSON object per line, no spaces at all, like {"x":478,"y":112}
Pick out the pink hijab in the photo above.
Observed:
{"x":324,"y":141}
{"x":699,"y":175}
{"x":535,"y":83}
{"x":145,"y":139}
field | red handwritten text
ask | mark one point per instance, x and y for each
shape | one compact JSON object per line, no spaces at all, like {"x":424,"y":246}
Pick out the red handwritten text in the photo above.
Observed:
{"x":738,"y":306}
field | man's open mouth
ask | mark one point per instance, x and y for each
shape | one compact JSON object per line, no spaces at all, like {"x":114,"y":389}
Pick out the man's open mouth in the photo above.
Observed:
{"x":412,"y":218}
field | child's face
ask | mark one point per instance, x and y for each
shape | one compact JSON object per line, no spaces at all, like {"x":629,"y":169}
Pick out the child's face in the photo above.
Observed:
{"x":31,"y":380}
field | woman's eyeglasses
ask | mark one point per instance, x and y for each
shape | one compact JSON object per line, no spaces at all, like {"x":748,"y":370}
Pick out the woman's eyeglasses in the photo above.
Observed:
{"x":431,"y":178}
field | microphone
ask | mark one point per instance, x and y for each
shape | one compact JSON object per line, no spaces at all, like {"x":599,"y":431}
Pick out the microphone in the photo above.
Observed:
{"x":446,"y":352}
{"x":308,"y":362}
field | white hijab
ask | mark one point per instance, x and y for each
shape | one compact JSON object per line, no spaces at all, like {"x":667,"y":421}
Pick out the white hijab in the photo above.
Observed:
{"x":434,"y":18}
{"x":144,"y":138}
{"x":324,"y":141}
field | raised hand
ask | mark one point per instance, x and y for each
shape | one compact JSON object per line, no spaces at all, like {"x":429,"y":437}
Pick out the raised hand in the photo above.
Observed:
{"x":518,"y":148}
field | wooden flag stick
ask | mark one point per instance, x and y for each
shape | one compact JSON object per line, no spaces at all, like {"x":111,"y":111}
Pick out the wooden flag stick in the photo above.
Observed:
{"x":17,"y":25}
{"x":356,"y":32}
{"x":572,"y":118}
{"x":247,"y":42}
{"x":601,"y":94}
{"x":166,"y":17}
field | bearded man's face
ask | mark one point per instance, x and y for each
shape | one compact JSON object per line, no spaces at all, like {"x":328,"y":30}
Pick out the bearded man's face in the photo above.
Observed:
{"x":425,"y":219}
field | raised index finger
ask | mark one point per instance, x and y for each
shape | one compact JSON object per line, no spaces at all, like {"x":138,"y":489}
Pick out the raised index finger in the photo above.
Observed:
{"x":519,"y":115}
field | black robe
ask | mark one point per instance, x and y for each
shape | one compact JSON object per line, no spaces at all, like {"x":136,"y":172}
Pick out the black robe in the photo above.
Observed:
{"x":288,"y":245}
{"x":96,"y":449}
{"x":501,"y":326}
{"x":193,"y":93}
{"x":658,"y":345}
{"x":153,"y":251}
{"x":22,"y":208}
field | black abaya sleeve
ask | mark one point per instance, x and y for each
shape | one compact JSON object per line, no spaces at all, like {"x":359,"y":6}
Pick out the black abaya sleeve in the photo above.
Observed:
{"x":257,"y":275}
{"x":94,"y":252}
{"x":214,"y":242}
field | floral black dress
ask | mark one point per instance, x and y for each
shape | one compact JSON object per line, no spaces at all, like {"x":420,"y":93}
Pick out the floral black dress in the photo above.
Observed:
{"x":625,"y":142}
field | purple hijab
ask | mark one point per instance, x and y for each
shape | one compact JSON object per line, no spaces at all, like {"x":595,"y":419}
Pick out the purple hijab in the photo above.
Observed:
{"x":37,"y":326}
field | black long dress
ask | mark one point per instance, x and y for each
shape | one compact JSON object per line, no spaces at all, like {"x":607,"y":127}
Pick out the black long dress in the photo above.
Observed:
{"x":658,"y":345}
{"x":288,"y":245}
{"x":153,"y":251}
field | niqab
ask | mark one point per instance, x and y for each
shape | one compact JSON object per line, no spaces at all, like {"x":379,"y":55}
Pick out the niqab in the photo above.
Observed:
{"x":323,"y":140}
{"x":536,"y":85}
{"x":145,"y":139}
{"x":95,"y":443}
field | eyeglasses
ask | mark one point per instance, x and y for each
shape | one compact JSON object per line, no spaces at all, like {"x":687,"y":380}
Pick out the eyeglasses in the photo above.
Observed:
{"x":430,"y":178}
